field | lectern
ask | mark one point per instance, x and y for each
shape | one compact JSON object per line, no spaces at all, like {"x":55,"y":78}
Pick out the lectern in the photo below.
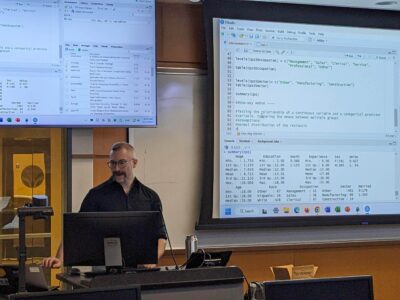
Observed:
{"x":214,"y":283}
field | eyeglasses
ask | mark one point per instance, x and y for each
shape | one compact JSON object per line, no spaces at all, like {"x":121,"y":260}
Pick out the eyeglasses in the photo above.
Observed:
{"x":120,"y":163}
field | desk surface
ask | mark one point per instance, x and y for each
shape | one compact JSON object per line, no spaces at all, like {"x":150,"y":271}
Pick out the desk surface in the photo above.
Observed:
{"x":159,"y":279}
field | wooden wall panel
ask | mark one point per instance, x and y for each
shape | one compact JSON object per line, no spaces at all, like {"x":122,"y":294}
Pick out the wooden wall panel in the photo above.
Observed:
{"x":180,"y":36}
{"x":378,"y":261}
{"x":103,"y":138}
{"x":255,"y":263}
{"x":101,"y":172}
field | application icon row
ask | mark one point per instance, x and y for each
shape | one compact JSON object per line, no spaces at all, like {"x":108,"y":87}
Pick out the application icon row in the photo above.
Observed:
{"x":33,"y":120}
{"x":317,"y":209}
{"x":304,"y":210}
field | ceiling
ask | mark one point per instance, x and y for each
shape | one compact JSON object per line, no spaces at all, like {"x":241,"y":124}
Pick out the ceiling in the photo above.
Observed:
{"x":377,"y":4}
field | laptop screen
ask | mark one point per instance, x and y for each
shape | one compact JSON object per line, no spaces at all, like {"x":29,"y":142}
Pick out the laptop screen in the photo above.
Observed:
{"x":35,"y":278}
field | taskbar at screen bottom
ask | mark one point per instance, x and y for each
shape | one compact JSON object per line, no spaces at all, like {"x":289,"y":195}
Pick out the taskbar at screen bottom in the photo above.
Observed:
{"x":78,"y":121}
{"x":309,"y":209}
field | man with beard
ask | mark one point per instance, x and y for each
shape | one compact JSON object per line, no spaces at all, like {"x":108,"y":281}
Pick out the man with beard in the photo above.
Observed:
{"x":121,"y":192}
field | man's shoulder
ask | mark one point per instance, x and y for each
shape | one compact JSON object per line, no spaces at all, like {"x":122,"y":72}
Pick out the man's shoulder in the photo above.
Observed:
{"x":144,"y":188}
{"x":96,"y":195}
{"x":109,"y":183}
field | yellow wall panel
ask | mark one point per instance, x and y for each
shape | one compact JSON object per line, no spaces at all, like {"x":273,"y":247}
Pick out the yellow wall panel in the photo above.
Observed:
{"x":29,"y":174}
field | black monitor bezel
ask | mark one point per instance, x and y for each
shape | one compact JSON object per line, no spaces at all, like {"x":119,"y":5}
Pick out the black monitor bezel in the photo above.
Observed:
{"x":310,"y":284}
{"x":84,"y":234}
{"x":277,"y":12}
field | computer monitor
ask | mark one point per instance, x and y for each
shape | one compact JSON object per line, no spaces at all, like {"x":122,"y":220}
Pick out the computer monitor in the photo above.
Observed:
{"x":78,"y":63}
{"x":131,"y":292}
{"x":352,"y":287}
{"x":84,"y":235}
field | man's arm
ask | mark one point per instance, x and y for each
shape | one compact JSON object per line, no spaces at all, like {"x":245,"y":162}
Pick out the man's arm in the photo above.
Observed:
{"x":54,"y":262}
{"x":57,"y":261}
{"x":160,"y":252}
{"x":161,"y":247}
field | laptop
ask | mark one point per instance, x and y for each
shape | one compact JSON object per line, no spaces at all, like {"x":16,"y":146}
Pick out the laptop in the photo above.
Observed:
{"x":35,"y":279}
{"x":208,"y":259}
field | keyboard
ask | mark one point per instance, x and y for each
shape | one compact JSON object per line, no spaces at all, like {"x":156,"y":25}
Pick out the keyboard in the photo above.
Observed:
{"x":123,"y":270}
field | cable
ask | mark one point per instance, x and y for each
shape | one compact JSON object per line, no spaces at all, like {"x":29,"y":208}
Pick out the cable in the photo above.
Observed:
{"x":193,"y":257}
{"x":204,"y":257}
{"x":247,"y":296}
{"x":172,"y":250}
{"x":168,"y":239}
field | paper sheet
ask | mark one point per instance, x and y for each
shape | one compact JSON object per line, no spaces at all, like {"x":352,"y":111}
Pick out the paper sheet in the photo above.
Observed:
{"x":14,"y":224}
{"x":4,"y":202}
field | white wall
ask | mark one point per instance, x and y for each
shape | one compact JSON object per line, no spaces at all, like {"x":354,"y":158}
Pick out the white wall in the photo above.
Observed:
{"x":169,"y":154}
{"x":82,"y":174}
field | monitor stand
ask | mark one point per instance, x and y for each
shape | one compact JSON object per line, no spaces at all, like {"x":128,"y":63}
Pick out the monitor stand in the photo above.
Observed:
{"x":112,"y":252}
{"x":113,"y":260}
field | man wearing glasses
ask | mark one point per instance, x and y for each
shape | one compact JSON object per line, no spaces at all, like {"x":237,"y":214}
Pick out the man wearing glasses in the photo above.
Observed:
{"x":121,"y":192}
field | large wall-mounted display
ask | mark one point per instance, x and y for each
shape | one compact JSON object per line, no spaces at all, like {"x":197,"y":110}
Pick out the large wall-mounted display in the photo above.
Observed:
{"x":303,"y":114}
{"x":77,"y":63}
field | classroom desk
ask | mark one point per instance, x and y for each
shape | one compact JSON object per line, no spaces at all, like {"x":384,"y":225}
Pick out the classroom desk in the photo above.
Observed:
{"x":194,"y":284}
